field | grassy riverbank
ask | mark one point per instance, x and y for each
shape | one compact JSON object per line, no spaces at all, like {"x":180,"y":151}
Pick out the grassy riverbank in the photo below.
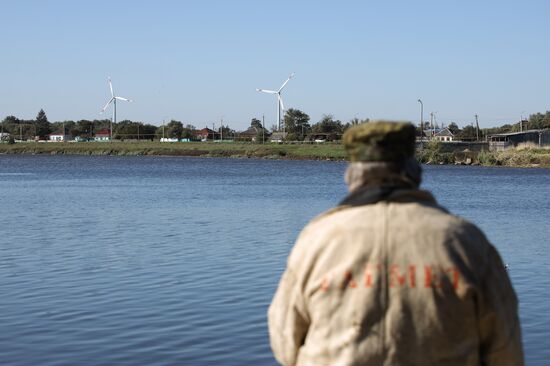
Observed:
{"x":237,"y":150}
{"x":526,"y":157}
{"x":517,"y":158}
{"x":430,"y":154}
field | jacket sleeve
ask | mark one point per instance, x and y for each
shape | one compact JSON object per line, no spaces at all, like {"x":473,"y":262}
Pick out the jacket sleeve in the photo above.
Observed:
{"x":499,"y":328}
{"x":288,"y":320}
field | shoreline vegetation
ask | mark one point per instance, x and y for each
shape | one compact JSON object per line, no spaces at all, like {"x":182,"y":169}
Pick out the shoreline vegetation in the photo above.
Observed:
{"x":430,"y":153}
{"x":525,"y":155}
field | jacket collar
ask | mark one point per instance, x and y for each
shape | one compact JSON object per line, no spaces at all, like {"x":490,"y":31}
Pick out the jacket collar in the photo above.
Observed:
{"x":393,"y":193}
{"x":371,"y":195}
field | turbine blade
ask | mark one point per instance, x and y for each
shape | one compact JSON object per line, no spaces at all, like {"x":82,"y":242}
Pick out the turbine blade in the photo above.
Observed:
{"x":124,"y":99}
{"x":281,"y":103}
{"x":287,"y":80}
{"x":267,"y":91}
{"x":106,"y":105}
{"x":111,"y":87}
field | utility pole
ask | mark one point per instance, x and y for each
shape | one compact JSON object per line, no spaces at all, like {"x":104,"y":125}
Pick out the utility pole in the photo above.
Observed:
{"x":432,"y":123}
{"x":477,"y":129}
{"x":263,"y":129}
{"x":213,"y":132}
{"x":221,"y":129}
{"x":163,"y":129}
{"x":421,"y":122}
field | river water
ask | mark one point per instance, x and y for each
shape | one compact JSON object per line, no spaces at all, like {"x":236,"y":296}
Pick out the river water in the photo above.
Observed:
{"x":172,"y":260}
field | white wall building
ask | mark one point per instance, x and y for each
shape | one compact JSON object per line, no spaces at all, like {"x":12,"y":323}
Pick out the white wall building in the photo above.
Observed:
{"x":444,"y":135}
{"x":59,"y":137}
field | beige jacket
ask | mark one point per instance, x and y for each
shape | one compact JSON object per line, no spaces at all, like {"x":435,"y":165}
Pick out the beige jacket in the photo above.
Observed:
{"x":395,"y":282}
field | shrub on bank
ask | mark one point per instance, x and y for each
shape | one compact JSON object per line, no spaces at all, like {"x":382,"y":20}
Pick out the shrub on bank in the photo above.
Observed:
{"x":431,"y":153}
{"x":434,"y":157}
{"x":488,"y":158}
{"x":515,"y":158}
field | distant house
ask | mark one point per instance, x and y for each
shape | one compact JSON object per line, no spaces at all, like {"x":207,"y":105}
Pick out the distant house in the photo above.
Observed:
{"x":278,"y":136}
{"x":503,"y":141}
{"x":249,"y":134}
{"x":252,"y":133}
{"x":206,"y":134}
{"x":103,"y":135}
{"x":444,"y":135}
{"x":4,"y":136}
{"x":59,"y":137}
{"x":438,"y":134}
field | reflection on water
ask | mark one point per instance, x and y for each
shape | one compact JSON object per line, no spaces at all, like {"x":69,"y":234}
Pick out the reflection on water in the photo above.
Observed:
{"x":142,"y":260}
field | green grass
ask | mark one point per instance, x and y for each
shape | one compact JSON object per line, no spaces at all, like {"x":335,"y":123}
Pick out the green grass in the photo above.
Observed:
{"x":525,"y":157}
{"x":218,"y":149}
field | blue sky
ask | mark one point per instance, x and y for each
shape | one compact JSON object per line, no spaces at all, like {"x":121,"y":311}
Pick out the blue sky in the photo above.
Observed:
{"x":200,"y":61}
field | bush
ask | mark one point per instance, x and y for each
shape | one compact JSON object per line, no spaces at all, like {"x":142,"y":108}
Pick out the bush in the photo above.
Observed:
{"x":431,"y":154}
{"x":433,"y":145}
{"x":488,"y":158}
{"x":291,"y":136}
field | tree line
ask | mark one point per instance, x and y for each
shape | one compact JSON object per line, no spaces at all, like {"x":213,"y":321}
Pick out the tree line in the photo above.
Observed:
{"x":40,"y":128}
{"x":297,"y":127}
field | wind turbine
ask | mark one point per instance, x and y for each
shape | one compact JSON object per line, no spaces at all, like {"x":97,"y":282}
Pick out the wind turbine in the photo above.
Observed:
{"x":280,"y":105}
{"x":113,"y":100}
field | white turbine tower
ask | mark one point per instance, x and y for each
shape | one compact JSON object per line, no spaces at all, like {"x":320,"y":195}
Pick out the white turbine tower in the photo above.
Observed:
{"x":280,"y":105}
{"x":113,"y":100}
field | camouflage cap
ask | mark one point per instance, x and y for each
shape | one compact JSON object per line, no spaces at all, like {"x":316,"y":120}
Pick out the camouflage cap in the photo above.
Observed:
{"x":380,"y":141}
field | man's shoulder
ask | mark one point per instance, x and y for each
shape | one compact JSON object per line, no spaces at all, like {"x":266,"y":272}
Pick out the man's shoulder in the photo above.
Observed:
{"x":425,"y":226}
{"x":430,"y":218}
{"x":442,"y":220}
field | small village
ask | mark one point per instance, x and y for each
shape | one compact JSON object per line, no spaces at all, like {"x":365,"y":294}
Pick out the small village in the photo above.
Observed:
{"x":257,"y":134}
{"x":293,"y":128}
